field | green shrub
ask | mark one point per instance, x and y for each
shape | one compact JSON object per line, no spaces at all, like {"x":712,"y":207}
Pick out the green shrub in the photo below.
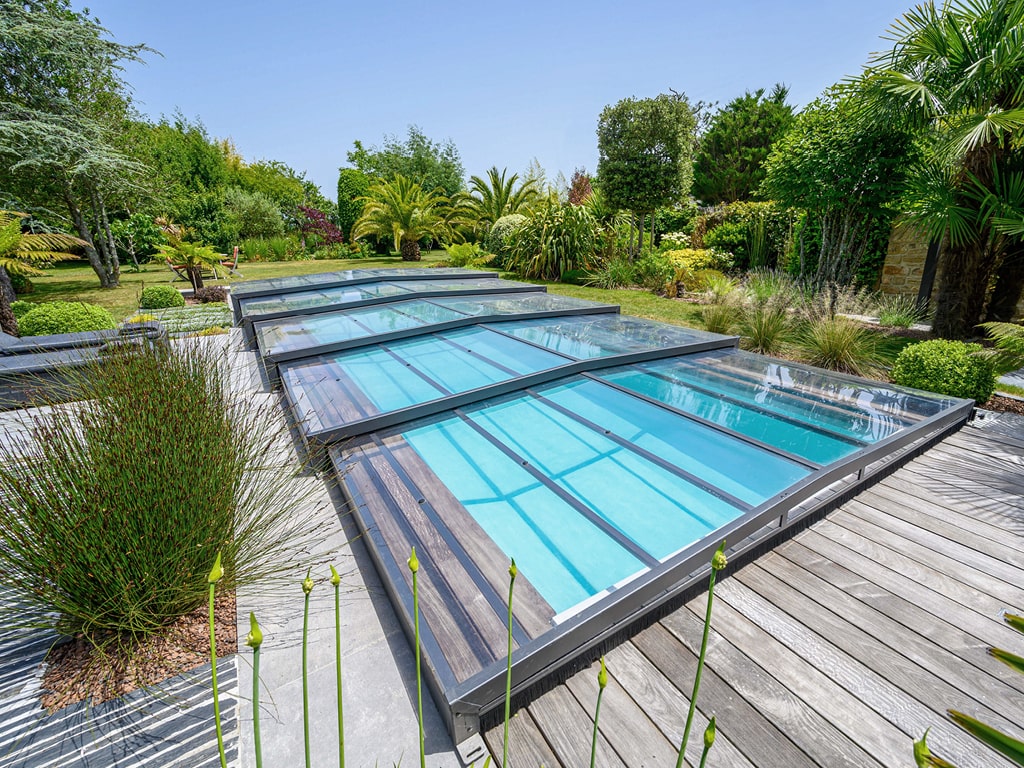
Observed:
{"x":617,"y":273}
{"x":700,"y":258}
{"x":652,"y":271}
{"x":1009,"y":343}
{"x":467,"y":255}
{"x":766,"y":328}
{"x":498,"y":240}
{"x":557,"y":239}
{"x":21,"y":308}
{"x":575,"y":277}
{"x":210,"y":294}
{"x":272,"y":249}
{"x":21,"y":284}
{"x":719,"y":318}
{"x":64,"y":317}
{"x":899,"y":312}
{"x":947,"y":367}
{"x":839,"y":344}
{"x":113,"y":526}
{"x":160,"y":297}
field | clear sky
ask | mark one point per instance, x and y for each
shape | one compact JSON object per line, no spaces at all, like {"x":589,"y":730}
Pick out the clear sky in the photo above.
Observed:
{"x":300,"y":81}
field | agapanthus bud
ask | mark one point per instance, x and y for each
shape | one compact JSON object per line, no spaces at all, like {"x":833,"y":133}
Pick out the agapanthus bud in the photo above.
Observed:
{"x":335,"y":577}
{"x":512,"y":570}
{"x":414,"y":564}
{"x":307,"y":583}
{"x":602,"y":675}
{"x":709,"y":734}
{"x":255,"y":637}
{"x":216,"y":573}
{"x":719,"y":560}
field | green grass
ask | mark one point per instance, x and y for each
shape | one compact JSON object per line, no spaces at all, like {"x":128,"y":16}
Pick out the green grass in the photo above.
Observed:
{"x":1009,"y":389}
{"x":75,"y":280}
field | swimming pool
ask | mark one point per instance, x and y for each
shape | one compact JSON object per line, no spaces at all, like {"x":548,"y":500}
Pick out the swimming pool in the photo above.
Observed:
{"x":609,"y":455}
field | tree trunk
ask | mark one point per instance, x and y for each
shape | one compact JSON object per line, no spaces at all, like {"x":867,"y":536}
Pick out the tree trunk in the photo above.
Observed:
{"x":195,"y":276}
{"x":8,"y":323}
{"x":640,"y":237}
{"x":411,"y":250}
{"x":82,"y":227}
{"x":1009,"y":286}
{"x":961,"y":296}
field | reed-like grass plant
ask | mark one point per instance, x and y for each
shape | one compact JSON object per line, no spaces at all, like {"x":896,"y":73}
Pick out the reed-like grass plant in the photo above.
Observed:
{"x":116,"y":504}
{"x":839,"y":344}
{"x":899,"y":311}
{"x":766,"y":328}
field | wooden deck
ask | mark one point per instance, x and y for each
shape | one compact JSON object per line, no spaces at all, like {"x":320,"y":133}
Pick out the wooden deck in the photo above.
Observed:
{"x":837,"y":648}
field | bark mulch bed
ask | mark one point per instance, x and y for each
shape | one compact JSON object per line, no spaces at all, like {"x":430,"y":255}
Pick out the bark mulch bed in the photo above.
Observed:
{"x":77,"y":671}
{"x":1005,"y":404}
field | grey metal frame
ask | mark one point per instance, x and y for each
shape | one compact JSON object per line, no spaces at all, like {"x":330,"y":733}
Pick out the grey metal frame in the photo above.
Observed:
{"x":463,"y":704}
{"x":503,"y":287}
{"x":317,"y":440}
{"x":275,"y":360}
{"x":251,"y":289}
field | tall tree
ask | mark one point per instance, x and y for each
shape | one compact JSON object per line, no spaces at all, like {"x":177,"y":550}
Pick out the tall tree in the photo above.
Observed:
{"x":730,"y":156}
{"x":353,"y":186}
{"x":645,"y":153}
{"x":432,"y":165}
{"x":62,"y":102}
{"x":957,"y":71}
{"x":846,"y":171}
{"x":403,"y":210}
{"x":498,"y":196}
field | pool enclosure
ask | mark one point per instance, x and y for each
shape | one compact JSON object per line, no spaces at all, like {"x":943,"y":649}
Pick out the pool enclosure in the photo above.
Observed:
{"x":609,"y":455}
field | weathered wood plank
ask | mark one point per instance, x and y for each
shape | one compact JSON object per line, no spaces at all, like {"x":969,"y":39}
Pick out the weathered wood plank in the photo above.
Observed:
{"x":531,"y":610}
{"x":941,"y":555}
{"x":891,"y":683}
{"x":785,"y":705}
{"x":916,"y":610}
{"x":526,"y":745}
{"x":489,"y":625}
{"x":567,"y":729}
{"x":658,"y":671}
{"x":448,"y":629}
{"x":903,"y":576}
{"x":633,"y":736}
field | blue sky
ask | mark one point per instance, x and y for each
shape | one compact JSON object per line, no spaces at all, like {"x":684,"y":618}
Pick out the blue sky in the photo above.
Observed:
{"x":300,"y":81}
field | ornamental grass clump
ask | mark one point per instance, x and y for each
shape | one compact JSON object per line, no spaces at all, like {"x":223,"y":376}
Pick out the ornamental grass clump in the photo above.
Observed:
{"x":116,"y":505}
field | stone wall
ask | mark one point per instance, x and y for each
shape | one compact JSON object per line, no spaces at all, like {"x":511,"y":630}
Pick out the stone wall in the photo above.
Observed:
{"x":904,"y":267}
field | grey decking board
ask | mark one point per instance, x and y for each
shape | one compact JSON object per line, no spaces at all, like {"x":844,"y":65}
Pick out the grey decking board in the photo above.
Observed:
{"x":527,"y":746}
{"x":658,"y":672}
{"x":635,"y":738}
{"x":871,"y":685}
{"x":956,"y":547}
{"x":929,"y":655}
{"x":567,"y":728}
{"x":845,"y":633}
{"x":980,"y":591}
{"x":909,"y":581}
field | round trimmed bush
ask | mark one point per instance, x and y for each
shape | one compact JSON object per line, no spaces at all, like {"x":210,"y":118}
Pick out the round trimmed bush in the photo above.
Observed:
{"x":497,"y":240}
{"x":21,"y":308}
{"x":64,"y":317}
{"x":160,"y":297}
{"x":946,"y":367}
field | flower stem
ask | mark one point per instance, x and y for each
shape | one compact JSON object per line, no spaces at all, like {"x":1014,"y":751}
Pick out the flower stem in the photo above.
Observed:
{"x":512,"y":571}
{"x":307,"y":587}
{"x":414,"y":566}
{"x":215,"y":575}
{"x":336,"y":583}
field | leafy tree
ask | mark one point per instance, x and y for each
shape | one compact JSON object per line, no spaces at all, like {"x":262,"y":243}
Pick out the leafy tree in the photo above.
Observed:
{"x":353,"y":186}
{"x":730,"y":156}
{"x":846,"y":172}
{"x":316,"y":224}
{"x":430,"y":164}
{"x":957,"y":73}
{"x":62,"y":103}
{"x":248,"y":215}
{"x":580,"y":188}
{"x":498,"y":196}
{"x":402,"y":210}
{"x":645,"y":148}
{"x":22,"y":254}
{"x":138,"y":236}
{"x":276,"y":181}
{"x":190,"y":255}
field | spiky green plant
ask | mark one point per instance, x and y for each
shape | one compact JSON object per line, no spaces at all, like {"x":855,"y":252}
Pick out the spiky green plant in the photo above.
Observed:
{"x":766,"y":328}
{"x":719,"y":318}
{"x":899,"y":311}
{"x":1008,"y":339}
{"x":839,"y":344}
{"x":182,"y":467}
{"x":402,"y":210}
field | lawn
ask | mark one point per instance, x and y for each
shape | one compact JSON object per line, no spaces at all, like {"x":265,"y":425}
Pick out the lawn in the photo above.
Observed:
{"x":75,"y":281}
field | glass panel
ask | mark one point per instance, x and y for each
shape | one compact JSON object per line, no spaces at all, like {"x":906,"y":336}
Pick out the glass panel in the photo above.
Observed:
{"x":565,"y":556}
{"x":658,"y":380}
{"x":745,"y":471}
{"x":657,"y":509}
{"x":591,"y":336}
{"x":514,"y":304}
{"x":298,"y":282}
{"x":858,"y":408}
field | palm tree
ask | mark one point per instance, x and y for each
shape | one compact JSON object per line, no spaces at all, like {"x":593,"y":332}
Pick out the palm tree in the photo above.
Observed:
{"x":401,"y":209}
{"x":957,"y":73}
{"x":498,"y":196}
{"x":23,"y":254}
